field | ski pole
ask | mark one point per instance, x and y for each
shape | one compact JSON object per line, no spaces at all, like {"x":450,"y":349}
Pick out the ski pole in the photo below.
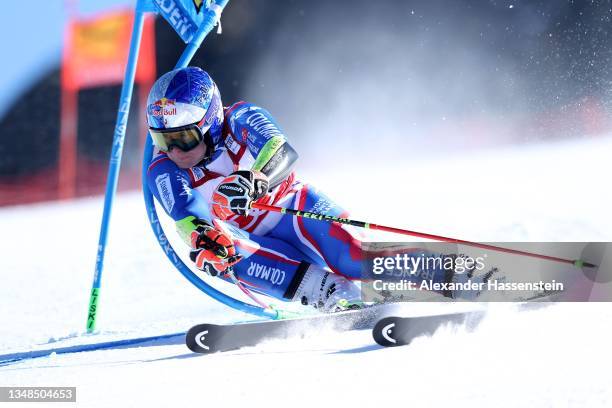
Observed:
{"x":330,"y":218}
{"x":230,"y":273}
{"x":280,"y":314}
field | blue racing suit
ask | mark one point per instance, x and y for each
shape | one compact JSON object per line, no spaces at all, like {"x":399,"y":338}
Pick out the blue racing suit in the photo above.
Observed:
{"x":277,"y":249}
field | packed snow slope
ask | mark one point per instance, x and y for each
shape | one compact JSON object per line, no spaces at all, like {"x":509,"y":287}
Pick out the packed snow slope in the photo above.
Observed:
{"x":554,"y":356}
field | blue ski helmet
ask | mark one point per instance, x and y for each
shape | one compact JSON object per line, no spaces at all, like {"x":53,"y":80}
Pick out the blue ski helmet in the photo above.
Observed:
{"x":182,"y":101}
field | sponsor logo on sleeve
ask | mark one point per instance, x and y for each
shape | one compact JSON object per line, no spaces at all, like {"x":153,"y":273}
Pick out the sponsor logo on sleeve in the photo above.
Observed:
{"x":185,"y":187}
{"x":198,"y":173}
{"x":232,"y":145}
{"x":260,"y":123}
{"x":239,"y":113}
{"x":245,"y":135}
{"x":164,"y":187}
{"x":244,"y":110}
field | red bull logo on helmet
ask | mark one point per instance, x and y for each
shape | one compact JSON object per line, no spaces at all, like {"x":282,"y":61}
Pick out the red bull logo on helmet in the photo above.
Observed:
{"x":163,"y":107}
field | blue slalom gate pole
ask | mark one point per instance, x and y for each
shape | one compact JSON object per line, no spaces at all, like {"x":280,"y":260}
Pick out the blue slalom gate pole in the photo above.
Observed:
{"x":115,"y":161}
{"x":206,"y":26}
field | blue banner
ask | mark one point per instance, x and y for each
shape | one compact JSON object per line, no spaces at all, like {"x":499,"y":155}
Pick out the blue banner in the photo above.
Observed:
{"x":185,"y":16}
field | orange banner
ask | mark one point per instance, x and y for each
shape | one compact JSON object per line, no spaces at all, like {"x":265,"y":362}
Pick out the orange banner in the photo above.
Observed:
{"x":95,"y":54}
{"x":96,"y":51}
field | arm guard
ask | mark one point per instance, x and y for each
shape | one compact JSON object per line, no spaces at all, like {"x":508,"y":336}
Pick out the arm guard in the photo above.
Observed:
{"x":276,"y":160}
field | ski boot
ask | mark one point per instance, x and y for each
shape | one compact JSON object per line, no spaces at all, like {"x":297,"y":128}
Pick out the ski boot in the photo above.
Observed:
{"x":327,"y":291}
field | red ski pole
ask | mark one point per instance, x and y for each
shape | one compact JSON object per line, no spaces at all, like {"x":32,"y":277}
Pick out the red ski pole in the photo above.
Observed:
{"x":322,"y":217}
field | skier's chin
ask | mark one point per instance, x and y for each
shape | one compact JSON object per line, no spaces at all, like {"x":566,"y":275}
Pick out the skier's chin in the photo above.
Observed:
{"x":186,"y":164}
{"x":186,"y":160}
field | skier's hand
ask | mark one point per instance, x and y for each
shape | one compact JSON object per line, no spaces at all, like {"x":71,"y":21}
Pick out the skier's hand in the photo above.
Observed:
{"x":236,"y":192}
{"x":213,"y":250}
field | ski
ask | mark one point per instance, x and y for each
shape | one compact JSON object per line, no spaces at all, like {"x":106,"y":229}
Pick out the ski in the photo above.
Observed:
{"x":212,"y":338}
{"x":395,"y":331}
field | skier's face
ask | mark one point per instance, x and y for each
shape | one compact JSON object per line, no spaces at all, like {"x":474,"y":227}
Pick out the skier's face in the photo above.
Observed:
{"x":188,"y":159}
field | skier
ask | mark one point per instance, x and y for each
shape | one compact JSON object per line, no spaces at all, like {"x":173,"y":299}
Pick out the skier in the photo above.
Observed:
{"x":211,"y":163}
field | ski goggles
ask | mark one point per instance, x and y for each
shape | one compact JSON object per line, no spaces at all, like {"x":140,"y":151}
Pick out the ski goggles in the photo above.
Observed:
{"x":185,"y":137}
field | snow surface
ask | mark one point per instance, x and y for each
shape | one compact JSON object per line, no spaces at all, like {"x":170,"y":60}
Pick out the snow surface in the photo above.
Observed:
{"x":553,"y":356}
